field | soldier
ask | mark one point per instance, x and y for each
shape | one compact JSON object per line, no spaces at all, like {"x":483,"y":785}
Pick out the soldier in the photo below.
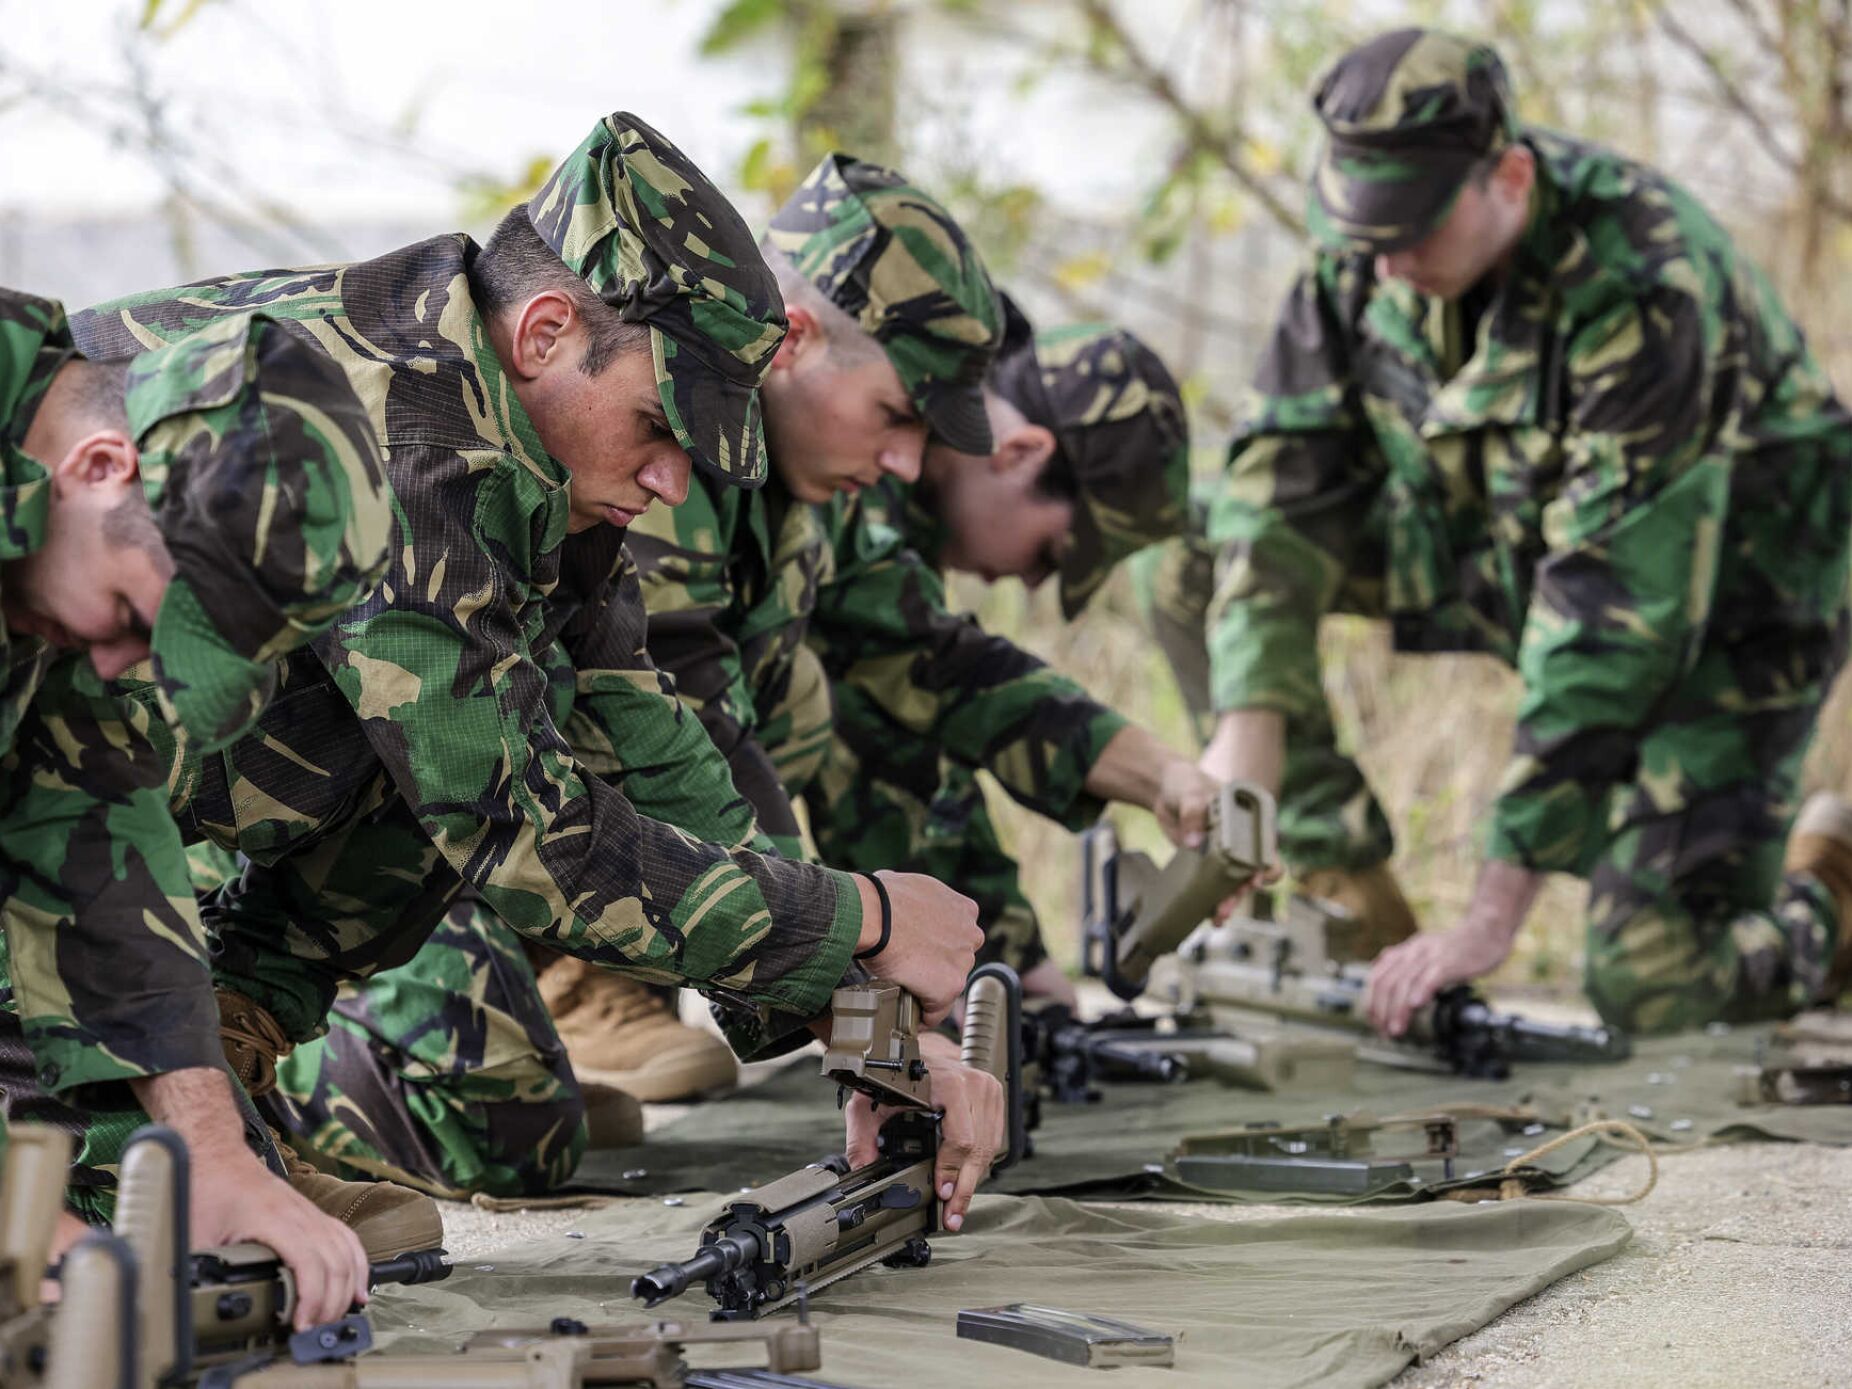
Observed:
{"x":1528,"y":399}
{"x":468,"y":726}
{"x":1089,"y":463}
{"x":211,"y":505}
{"x":775,"y":612}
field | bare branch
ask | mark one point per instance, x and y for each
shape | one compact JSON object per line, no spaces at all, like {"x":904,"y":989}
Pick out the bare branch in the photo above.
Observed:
{"x":1201,"y":135}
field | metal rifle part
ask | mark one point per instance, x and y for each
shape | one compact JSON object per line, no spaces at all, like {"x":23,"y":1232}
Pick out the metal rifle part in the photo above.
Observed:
{"x":568,"y":1354}
{"x":1794,"y":1083}
{"x":38,"y":1160}
{"x":1134,"y":912}
{"x":94,"y":1343}
{"x":1066,"y":1055}
{"x":826,"y":1221}
{"x":1335,"y":1158}
{"x":1075,"y":1338}
{"x":221,"y":1311}
{"x":1253,"y":971}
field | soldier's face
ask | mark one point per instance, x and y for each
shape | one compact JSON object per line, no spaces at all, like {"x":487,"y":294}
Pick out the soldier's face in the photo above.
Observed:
{"x":998,"y":521}
{"x":97,"y":582}
{"x":609,"y":431}
{"x":837,"y":420}
{"x":1475,"y":239}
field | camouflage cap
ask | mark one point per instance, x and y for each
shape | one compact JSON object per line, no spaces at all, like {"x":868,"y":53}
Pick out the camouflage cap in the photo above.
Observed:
{"x":895,"y":261}
{"x":1408,"y":115}
{"x":264,"y":475}
{"x":659,"y":243}
{"x":1119,"y":422}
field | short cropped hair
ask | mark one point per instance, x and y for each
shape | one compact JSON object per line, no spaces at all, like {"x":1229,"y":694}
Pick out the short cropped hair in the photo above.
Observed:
{"x":516,"y":265}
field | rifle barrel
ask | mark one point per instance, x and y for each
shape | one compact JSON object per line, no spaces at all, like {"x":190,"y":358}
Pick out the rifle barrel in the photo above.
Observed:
{"x":672,"y":1280}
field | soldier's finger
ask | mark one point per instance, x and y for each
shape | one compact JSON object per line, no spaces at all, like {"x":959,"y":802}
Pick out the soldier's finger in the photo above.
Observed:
{"x":312,"y":1278}
{"x":974,"y":1168}
{"x":357,"y":1260}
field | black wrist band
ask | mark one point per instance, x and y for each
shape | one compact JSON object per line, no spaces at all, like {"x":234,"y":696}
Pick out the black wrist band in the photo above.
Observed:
{"x":887,"y":920}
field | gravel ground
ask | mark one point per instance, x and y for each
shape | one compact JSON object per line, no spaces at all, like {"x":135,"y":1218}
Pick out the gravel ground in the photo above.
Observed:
{"x":1740,"y":1271}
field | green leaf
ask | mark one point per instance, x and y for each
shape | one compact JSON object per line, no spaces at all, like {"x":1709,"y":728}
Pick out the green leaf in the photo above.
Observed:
{"x":738,"y":22}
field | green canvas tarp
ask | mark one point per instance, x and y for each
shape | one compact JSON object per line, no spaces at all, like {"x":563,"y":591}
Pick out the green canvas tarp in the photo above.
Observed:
{"x":1675,"y":1090}
{"x":1338,"y":1300}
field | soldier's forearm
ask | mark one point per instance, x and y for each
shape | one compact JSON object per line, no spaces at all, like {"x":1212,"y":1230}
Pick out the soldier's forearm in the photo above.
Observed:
{"x":197,"y":1104}
{"x":1248,"y":745}
{"x":1502,"y":898}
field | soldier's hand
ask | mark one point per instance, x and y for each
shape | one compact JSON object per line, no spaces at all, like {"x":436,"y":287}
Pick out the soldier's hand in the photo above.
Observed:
{"x":970,"y":1134}
{"x":238,"y":1199}
{"x":1184,"y":796}
{"x":934,"y":941}
{"x":235,"y":1198}
{"x":1407,"y":976}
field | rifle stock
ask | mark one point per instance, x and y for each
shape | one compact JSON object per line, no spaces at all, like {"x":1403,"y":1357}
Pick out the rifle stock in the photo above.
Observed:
{"x":1137,"y":913}
{"x":31,"y":1195}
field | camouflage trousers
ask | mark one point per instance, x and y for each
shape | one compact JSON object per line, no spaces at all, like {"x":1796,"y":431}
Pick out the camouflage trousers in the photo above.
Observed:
{"x":444,"y":1073}
{"x":1690,"y":918}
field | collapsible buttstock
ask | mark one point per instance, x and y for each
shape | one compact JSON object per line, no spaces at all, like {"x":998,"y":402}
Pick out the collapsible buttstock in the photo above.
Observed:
{"x":94,"y":1341}
{"x":153,"y":1217}
{"x":38,"y":1159}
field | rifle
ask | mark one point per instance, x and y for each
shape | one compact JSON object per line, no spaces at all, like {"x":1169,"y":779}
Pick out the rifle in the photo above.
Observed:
{"x":1068,"y":1056}
{"x":1254,"y":970}
{"x":827,"y":1221}
{"x":222,"y":1313}
{"x":224,"y":1316}
{"x":1133,"y":912}
{"x":32,"y":1180}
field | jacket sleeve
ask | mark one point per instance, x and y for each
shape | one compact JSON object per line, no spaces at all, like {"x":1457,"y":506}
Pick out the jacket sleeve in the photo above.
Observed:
{"x":104,"y":945}
{"x":629,"y":726}
{"x":438,"y":667}
{"x":882,"y":626}
{"x":1300,"y":482}
{"x":1624,"y":591}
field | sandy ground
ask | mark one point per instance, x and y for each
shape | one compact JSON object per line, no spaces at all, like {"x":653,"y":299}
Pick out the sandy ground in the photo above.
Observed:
{"x":1740,"y":1272}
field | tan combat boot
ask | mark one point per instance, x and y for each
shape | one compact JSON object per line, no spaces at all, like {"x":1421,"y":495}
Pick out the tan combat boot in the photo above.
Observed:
{"x":1821,"y":844}
{"x":618,"y":1033}
{"x":389,"y":1219}
{"x":612,"y":1118}
{"x":1373,"y":897}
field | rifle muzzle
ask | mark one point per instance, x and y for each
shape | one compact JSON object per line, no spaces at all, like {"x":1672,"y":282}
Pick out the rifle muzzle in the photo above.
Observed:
{"x":722,"y":1255}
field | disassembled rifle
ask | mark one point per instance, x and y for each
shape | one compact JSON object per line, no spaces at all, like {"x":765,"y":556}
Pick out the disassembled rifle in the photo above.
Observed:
{"x":827,"y":1221}
{"x":31,"y":1195}
{"x":1272,"y":983}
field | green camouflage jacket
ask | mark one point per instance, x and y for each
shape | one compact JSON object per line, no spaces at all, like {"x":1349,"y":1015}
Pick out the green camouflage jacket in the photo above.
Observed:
{"x":1632,"y":454}
{"x":736,"y":582}
{"x":27,"y":324}
{"x":450,"y":683}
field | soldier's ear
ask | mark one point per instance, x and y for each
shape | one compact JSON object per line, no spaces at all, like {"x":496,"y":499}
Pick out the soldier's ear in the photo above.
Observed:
{"x":803,"y":338}
{"x":1515,"y":174}
{"x":537,"y":339}
{"x":105,"y":458}
{"x":1022,"y":446}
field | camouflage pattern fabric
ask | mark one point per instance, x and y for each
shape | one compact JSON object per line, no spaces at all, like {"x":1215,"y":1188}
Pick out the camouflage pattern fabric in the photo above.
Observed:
{"x":730,"y":606}
{"x":646,"y":229}
{"x":894,"y":260}
{"x":885,"y":799}
{"x":1120,"y":429}
{"x":445,"y":1074}
{"x":428,"y":745}
{"x":1407,"y":116}
{"x":1629,"y":479}
{"x":268,"y":489}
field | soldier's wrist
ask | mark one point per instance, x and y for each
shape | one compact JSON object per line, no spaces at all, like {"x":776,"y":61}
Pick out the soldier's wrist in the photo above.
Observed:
{"x":877,"y":917}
